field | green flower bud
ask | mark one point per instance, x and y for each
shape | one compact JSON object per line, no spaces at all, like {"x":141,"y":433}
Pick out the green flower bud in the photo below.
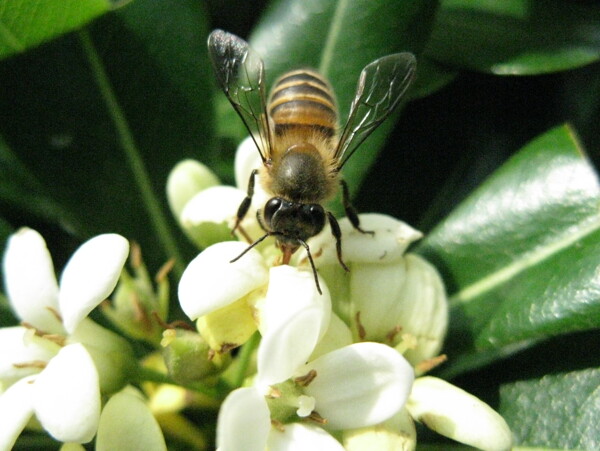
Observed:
{"x":188,"y":357}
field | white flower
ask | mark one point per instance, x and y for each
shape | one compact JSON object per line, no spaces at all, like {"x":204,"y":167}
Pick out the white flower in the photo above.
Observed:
{"x":388,"y":295}
{"x":50,"y":364}
{"x":232,"y":300}
{"x":357,"y":385}
{"x":458,"y":415}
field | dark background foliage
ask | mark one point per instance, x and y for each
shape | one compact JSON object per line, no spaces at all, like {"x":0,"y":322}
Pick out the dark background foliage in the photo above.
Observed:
{"x":491,"y":80}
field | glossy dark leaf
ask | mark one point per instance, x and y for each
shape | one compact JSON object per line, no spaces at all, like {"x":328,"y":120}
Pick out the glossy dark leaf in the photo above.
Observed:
{"x":520,"y":255}
{"x":61,"y":129}
{"x":27,"y":23}
{"x":559,"y":411}
{"x":518,"y":37}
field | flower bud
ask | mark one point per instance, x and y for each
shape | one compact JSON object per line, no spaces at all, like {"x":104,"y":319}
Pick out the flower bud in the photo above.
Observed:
{"x":458,"y":415}
{"x":400,"y":300}
{"x":186,"y":356}
{"x":187,"y":179}
{"x":396,"y":434}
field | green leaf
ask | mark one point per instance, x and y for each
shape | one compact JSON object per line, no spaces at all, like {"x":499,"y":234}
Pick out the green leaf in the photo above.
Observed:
{"x":27,"y":23}
{"x":431,"y":77}
{"x":63,"y":131}
{"x":518,"y":37}
{"x":339,"y":38}
{"x":520,"y":255}
{"x":20,"y":189}
{"x":560,"y":411}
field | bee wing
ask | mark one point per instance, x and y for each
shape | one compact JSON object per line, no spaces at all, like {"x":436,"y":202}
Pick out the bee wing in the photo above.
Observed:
{"x":381,"y":86}
{"x":241,"y":75}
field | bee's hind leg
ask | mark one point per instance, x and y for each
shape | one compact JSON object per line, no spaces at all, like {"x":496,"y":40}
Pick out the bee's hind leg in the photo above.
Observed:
{"x":350,"y":210}
{"x":244,"y":207}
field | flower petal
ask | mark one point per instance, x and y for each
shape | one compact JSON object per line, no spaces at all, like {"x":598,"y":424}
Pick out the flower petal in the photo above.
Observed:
{"x":210,"y":281}
{"x":247,"y":159}
{"x":19,"y":345}
{"x":458,"y":415}
{"x":67,"y":397}
{"x":292,"y":290}
{"x":391,"y":239}
{"x":244,"y":421}
{"x":127,"y":423}
{"x":360,"y":385}
{"x":185,"y":180}
{"x":301,"y":437}
{"x":90,"y":276}
{"x":16,"y":408}
{"x":337,"y":336}
{"x":30,"y":280}
{"x":209,"y":216}
{"x":283,"y":351}
{"x":408,"y":294}
{"x":112,"y":354}
{"x":427,"y":318}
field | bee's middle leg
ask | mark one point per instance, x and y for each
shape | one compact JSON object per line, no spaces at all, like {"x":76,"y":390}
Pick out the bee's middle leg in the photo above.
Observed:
{"x":350,"y":210}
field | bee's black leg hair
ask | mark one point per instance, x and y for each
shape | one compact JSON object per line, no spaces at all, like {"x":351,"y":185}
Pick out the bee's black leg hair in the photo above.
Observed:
{"x":245,"y":206}
{"x":337,"y":234}
{"x":350,"y":210}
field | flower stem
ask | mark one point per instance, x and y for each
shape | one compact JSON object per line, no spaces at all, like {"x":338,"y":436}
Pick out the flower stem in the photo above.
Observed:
{"x":244,"y":358}
{"x":132,"y":154}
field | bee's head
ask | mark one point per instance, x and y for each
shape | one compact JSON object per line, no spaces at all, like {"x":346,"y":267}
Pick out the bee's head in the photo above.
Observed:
{"x":293,"y":221}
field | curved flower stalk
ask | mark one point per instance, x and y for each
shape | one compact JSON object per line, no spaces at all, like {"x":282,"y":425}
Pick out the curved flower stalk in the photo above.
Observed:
{"x":57,"y":363}
{"x":354,"y":386}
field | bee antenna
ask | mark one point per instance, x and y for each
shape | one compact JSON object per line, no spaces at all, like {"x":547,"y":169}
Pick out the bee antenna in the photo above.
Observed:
{"x":256,"y":243}
{"x":312,"y":264}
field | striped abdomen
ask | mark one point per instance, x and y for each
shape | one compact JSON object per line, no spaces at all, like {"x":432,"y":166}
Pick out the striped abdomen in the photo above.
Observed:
{"x":301,"y":100}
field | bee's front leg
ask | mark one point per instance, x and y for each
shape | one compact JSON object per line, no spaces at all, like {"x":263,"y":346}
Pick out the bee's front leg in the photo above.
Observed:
{"x":245,"y":206}
{"x":350,"y":210}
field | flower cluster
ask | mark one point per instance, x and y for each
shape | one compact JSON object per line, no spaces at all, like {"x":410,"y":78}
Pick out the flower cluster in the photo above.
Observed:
{"x":58,"y":363}
{"x":333,"y":370}
{"x":333,"y":363}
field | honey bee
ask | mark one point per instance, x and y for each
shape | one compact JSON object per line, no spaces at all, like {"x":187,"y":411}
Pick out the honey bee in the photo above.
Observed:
{"x":296,"y":135}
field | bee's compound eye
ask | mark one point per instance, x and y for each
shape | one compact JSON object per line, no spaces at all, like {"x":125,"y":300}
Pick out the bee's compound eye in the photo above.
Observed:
{"x":316,"y":215}
{"x":271,"y":208}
